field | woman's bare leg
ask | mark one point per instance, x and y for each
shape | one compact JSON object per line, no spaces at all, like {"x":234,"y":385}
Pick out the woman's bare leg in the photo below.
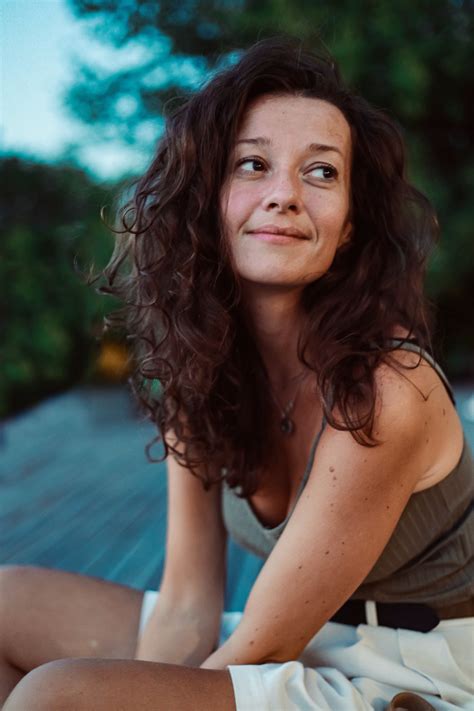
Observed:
{"x":104,"y":685}
{"x":50,"y":614}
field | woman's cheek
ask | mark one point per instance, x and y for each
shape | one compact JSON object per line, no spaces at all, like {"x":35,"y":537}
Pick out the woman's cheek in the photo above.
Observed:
{"x":240,"y":207}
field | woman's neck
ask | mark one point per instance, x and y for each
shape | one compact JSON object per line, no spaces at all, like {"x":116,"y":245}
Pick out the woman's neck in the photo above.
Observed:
{"x":275,"y":319}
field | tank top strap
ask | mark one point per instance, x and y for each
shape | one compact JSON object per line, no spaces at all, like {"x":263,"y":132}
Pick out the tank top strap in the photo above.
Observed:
{"x":407,"y":345}
{"x":312,"y":454}
{"x":414,"y":347}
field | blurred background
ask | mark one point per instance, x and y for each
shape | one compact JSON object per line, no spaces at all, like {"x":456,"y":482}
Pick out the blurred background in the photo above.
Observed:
{"x":85,"y":85}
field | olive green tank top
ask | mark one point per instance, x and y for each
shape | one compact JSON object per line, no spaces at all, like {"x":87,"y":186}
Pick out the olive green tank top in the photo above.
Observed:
{"x":429,"y":557}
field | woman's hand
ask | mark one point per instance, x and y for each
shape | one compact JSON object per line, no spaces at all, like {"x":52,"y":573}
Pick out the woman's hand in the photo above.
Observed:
{"x":179,"y":635}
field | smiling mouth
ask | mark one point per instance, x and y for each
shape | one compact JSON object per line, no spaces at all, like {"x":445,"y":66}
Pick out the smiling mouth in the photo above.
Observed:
{"x":275,"y":238}
{"x":274,"y":230}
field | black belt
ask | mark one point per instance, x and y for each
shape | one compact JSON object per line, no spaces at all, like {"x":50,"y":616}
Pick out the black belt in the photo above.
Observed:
{"x":410,"y":615}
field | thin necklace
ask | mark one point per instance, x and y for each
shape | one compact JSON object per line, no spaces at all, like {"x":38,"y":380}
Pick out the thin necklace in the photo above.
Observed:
{"x":287,"y":424}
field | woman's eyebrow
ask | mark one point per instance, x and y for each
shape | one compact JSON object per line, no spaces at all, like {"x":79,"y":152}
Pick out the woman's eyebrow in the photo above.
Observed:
{"x":323,"y":148}
{"x":311,"y":148}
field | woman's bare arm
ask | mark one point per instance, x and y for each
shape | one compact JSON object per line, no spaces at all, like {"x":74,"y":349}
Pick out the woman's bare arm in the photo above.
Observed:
{"x":184,"y":626}
{"x":350,"y":506}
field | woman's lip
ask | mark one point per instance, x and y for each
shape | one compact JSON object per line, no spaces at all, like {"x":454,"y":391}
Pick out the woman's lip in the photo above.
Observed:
{"x":276,"y":239}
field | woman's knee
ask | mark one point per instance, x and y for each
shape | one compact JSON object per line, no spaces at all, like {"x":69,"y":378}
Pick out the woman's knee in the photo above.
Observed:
{"x":54,"y":686}
{"x":12,"y":579}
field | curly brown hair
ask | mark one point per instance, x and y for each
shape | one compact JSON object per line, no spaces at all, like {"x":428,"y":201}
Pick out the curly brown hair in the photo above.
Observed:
{"x":172,"y":269}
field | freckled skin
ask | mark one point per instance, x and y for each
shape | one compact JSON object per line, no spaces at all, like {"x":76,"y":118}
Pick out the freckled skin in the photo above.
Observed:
{"x":331,"y":469}
{"x":264,"y":175}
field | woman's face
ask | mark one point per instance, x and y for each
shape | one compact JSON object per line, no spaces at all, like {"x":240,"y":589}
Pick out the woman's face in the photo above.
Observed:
{"x":290,"y":172}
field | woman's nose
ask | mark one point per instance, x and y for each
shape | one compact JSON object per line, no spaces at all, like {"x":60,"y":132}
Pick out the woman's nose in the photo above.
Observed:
{"x":283,"y":196}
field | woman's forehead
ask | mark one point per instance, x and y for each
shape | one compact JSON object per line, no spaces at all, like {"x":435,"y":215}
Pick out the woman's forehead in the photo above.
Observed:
{"x":271,"y":117}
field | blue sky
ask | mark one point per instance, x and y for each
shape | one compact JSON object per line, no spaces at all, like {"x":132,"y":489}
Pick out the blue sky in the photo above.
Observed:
{"x":39,"y":41}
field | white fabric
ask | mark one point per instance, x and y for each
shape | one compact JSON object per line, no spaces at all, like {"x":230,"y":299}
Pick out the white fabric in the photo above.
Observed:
{"x":371,"y":613}
{"x":346,"y":668}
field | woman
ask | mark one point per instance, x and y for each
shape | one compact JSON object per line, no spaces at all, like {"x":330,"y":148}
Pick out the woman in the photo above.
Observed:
{"x":277,"y":254}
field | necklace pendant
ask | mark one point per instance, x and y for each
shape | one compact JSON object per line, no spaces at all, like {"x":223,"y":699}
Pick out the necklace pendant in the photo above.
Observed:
{"x":287,"y":425}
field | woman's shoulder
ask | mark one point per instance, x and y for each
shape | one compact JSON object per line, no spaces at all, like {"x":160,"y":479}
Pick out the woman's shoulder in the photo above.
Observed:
{"x":411,"y":393}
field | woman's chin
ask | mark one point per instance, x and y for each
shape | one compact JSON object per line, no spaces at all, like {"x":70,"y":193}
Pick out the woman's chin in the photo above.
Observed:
{"x":279,"y":282}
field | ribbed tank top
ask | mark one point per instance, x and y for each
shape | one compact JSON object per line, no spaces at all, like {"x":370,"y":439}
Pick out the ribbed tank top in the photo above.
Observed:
{"x":430,"y":555}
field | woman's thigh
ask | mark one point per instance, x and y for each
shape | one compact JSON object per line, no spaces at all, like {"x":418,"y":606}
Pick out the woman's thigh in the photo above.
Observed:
{"x":108,"y":685}
{"x":51,"y":614}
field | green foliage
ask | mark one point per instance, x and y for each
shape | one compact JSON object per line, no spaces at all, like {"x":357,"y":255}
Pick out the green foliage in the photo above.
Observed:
{"x":50,"y":215}
{"x":413,"y":58}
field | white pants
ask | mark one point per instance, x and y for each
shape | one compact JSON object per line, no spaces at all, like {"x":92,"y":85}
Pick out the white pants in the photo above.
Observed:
{"x":345,"y":668}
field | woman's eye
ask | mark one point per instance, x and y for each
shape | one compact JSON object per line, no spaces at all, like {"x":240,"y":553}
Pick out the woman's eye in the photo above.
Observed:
{"x":326,"y":172}
{"x":250,"y":165}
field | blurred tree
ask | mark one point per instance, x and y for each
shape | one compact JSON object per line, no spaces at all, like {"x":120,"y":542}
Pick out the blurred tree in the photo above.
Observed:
{"x":413,"y":58}
{"x":49,"y":216}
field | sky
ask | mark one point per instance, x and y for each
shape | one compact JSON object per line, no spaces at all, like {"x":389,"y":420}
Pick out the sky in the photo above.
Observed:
{"x":39,"y":40}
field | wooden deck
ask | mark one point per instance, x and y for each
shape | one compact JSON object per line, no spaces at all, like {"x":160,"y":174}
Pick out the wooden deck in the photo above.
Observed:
{"x":77,"y":493}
